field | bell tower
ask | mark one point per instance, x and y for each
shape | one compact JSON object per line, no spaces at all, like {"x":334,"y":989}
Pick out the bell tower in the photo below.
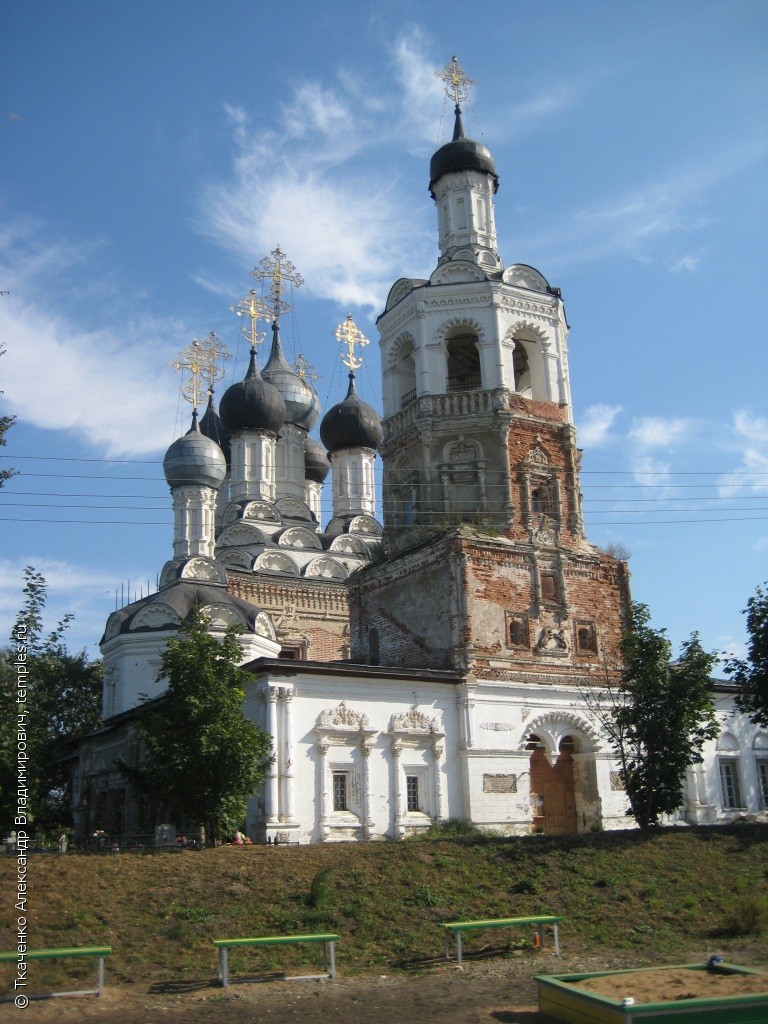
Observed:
{"x":475,"y":369}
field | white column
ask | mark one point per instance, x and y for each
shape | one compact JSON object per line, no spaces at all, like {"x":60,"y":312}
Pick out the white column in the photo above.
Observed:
{"x":437,"y":752}
{"x":271,"y":796}
{"x":287,"y":694}
{"x":397,"y":751}
{"x":325,"y":809}
{"x":367,"y":796}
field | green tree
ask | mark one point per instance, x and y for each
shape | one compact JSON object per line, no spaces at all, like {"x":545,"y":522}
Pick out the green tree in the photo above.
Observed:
{"x":5,"y":423}
{"x":659,"y":716}
{"x":203,"y":758}
{"x":63,"y":700}
{"x":751,"y":673}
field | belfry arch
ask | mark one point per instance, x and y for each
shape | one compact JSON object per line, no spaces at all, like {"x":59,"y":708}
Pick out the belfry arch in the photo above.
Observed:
{"x":526,"y":370}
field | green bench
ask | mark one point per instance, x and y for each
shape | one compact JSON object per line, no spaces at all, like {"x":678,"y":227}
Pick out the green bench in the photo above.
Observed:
{"x":329,"y":954}
{"x":538,"y":920}
{"x":52,"y":954}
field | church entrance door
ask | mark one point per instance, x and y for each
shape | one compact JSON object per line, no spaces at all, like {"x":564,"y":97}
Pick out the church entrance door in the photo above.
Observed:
{"x":552,"y":791}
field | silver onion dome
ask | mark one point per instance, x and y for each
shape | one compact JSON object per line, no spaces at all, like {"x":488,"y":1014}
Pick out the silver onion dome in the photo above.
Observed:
{"x":194,"y":460}
{"x":302,"y":406}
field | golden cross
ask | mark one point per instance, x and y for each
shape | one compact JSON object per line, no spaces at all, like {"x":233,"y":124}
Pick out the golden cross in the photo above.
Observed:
{"x":349,"y":334}
{"x":252,"y":307}
{"x":457,"y":82}
{"x":214,"y":354}
{"x":191,"y":359}
{"x":279,"y":269}
{"x":304,"y":369}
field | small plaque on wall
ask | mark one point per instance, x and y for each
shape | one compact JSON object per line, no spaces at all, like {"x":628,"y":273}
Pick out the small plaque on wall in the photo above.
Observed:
{"x":499,"y":783}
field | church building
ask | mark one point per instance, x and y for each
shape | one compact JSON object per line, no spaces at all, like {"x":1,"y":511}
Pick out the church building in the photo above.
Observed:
{"x":432,"y":662}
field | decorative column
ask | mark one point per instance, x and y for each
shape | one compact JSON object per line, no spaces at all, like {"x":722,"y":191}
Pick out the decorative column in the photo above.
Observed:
{"x":271,"y":795}
{"x":365,"y":747}
{"x":325,"y":808}
{"x":437,"y":753}
{"x":397,"y":751}
{"x":287,"y":695}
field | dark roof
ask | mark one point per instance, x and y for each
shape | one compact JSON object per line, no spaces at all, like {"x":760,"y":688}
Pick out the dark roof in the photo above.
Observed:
{"x":252,"y":404}
{"x":351,"y":423}
{"x":461,"y":154}
{"x":211,"y":426}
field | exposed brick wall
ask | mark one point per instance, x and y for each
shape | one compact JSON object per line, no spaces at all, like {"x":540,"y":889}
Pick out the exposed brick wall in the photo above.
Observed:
{"x":317,"y":613}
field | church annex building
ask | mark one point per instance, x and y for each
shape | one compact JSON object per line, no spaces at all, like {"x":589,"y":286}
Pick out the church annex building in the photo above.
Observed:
{"x":433,"y":664}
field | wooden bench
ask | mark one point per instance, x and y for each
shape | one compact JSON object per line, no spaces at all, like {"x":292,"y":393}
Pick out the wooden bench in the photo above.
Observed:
{"x":51,"y":954}
{"x":329,"y":954}
{"x":538,"y":920}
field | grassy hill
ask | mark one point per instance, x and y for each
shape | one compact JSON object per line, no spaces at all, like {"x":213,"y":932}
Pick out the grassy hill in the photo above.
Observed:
{"x":659,"y":895}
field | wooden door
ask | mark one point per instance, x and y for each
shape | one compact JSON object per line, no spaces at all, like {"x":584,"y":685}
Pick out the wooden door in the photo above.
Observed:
{"x":552,"y":793}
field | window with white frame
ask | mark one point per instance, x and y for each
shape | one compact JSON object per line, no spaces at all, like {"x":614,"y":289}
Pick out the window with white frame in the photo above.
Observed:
{"x":729,"y":782}
{"x":762,"y":781}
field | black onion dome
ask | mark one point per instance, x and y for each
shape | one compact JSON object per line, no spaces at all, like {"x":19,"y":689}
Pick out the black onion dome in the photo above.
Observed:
{"x":194,"y":460}
{"x":253,"y":404}
{"x":211,"y":426}
{"x":461,"y":154}
{"x":351,"y":423}
{"x":316,"y":464}
{"x":302,"y":406}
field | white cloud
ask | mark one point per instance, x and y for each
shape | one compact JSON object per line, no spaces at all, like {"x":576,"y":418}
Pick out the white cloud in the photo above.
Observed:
{"x":646,"y":222}
{"x":106,"y":384}
{"x":658,"y":432}
{"x":322,"y":180}
{"x":595,"y":428}
{"x":750,"y":439}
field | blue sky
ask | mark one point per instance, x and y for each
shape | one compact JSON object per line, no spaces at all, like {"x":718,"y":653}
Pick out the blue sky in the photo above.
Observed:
{"x":152,"y":154}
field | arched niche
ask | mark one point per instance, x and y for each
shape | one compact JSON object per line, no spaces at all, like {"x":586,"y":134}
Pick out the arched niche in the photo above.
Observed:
{"x":277,"y":562}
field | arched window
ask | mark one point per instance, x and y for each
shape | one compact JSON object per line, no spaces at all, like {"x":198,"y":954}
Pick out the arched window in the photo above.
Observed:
{"x":522,"y":370}
{"x":406,"y":373}
{"x":463,"y":361}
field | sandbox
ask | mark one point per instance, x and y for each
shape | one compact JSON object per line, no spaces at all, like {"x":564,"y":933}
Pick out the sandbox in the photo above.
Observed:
{"x":678,"y":994}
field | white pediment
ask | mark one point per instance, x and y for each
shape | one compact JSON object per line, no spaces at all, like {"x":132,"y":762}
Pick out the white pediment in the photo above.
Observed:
{"x":301,"y":538}
{"x":457,"y":272}
{"x":261,"y":510}
{"x":342,"y":719}
{"x":366,"y":525}
{"x":263,"y":626}
{"x":293,"y":508}
{"x":325,"y":567}
{"x":155,"y":616}
{"x":275,"y":561}
{"x":240,"y":535}
{"x":522,"y":276}
{"x":414,"y":721}
{"x":222,"y":616}
{"x":207,"y":569}
{"x":235,"y":559}
{"x":350,"y":545}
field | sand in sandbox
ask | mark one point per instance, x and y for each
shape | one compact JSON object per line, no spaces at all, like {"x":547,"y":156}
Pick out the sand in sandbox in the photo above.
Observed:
{"x":673,"y":983}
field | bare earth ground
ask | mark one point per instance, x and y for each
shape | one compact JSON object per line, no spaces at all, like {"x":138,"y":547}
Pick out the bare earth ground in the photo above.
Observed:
{"x":483,"y":991}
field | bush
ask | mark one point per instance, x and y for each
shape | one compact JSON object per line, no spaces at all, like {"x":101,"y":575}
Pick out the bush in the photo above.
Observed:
{"x":453,"y":828}
{"x":748,"y":915}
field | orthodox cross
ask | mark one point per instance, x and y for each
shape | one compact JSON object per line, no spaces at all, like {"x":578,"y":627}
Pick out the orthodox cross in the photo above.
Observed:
{"x":214,"y":354}
{"x":457,"y":82}
{"x":191,"y":360}
{"x":252,"y":307}
{"x":304,"y":369}
{"x":349,"y":334}
{"x":280,"y":270}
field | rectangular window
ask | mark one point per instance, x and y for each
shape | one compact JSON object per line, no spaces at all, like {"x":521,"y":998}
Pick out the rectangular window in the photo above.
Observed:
{"x":548,"y":587}
{"x":729,"y":781}
{"x":762,"y":782}
{"x":412,"y":792}
{"x":340,"y":791}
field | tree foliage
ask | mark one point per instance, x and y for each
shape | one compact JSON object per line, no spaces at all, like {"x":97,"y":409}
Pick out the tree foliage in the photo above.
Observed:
{"x":751,"y":673}
{"x":203,"y":757}
{"x":63,"y":700}
{"x":658,"y":718}
{"x":5,"y":423}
